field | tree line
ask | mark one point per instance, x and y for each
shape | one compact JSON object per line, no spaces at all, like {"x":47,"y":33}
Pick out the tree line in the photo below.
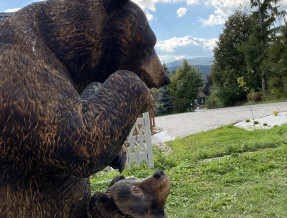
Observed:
{"x":250,"y":63}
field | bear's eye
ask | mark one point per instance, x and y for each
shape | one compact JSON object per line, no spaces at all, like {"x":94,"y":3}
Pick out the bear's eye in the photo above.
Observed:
{"x":148,"y":50}
{"x":136,"y":190}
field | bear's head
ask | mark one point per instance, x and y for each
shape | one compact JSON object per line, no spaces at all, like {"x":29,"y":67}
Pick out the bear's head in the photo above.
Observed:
{"x":95,"y":38}
{"x":131,"y":197}
{"x":134,"y":46}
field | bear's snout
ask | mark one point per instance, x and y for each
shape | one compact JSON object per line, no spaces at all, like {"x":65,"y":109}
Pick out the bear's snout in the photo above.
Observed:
{"x":166,"y":80}
{"x":159,"y":174}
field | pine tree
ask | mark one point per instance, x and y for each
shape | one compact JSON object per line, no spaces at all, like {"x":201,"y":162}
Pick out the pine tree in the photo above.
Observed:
{"x":184,"y":87}
{"x":255,"y":49}
{"x":229,"y":61}
{"x":165,"y":104}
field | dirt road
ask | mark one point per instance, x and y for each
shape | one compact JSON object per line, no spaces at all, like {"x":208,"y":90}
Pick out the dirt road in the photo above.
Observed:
{"x":180,"y":125}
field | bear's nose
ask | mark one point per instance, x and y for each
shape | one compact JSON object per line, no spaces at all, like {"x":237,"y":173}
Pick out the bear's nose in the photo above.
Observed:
{"x":166,"y":80}
{"x":158,"y":174}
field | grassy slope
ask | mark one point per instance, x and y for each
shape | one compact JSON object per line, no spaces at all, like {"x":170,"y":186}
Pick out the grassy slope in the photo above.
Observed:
{"x":245,"y":177}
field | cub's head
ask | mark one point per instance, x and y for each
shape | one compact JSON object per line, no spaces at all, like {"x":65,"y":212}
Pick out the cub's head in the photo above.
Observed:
{"x":132,"y":197}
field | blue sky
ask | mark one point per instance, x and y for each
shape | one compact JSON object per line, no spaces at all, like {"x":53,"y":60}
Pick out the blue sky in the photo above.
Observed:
{"x":184,"y":28}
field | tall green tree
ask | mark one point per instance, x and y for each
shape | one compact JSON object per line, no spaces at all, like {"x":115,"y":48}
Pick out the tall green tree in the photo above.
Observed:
{"x":163,"y":102}
{"x":255,"y":49}
{"x":184,"y":87}
{"x":277,"y":65}
{"x":229,"y":62}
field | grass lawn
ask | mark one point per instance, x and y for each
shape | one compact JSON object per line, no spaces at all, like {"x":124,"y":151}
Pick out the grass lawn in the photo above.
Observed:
{"x":227,"y":172}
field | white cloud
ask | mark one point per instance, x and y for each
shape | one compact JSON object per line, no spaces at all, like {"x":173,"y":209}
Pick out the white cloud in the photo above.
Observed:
{"x":149,"y":16}
{"x":178,"y":48}
{"x":223,"y":8}
{"x":12,"y":10}
{"x":208,"y":43}
{"x":169,"y":45}
{"x":147,"y":4}
{"x":191,"y":2}
{"x":181,"y":12}
{"x":168,"y":58}
{"x":213,"y":20}
{"x":150,"y":4}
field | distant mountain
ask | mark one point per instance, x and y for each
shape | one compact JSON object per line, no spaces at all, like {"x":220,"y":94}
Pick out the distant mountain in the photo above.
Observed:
{"x":203,"y":64}
{"x":193,"y":61}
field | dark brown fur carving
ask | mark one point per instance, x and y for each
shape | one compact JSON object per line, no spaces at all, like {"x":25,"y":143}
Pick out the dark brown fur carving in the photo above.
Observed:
{"x":132,"y":197}
{"x":52,"y":141}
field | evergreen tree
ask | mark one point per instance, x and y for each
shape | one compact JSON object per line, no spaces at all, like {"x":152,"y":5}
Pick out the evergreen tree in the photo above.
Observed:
{"x":207,"y":85}
{"x":184,"y":87}
{"x":255,"y":49}
{"x":165,"y":104}
{"x":229,"y":62}
{"x":277,"y":65}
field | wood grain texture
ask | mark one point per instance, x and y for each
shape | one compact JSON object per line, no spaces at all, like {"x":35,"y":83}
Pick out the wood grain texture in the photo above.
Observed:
{"x":52,"y":141}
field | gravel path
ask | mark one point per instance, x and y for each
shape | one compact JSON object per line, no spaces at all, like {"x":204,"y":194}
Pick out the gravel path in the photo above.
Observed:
{"x":181,"y":125}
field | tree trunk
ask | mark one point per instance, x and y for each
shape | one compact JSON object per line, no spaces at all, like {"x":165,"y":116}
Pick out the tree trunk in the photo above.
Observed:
{"x":262,"y":44}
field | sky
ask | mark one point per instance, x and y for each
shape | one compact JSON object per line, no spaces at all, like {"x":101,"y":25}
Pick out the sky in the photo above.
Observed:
{"x":184,"y":28}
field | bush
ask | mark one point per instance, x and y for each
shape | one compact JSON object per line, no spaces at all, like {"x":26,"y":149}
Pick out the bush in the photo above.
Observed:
{"x":247,"y":121}
{"x":229,"y":95}
{"x":277,"y":85}
{"x":254,"y":96}
{"x":256,"y":122}
{"x":212,"y":102}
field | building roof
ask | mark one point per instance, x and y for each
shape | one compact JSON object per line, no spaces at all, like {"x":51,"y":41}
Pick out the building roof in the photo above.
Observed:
{"x":201,"y":95}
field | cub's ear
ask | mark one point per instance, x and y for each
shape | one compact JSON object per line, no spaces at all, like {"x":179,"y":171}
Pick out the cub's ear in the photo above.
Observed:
{"x":112,"y":5}
{"x":116,"y":179}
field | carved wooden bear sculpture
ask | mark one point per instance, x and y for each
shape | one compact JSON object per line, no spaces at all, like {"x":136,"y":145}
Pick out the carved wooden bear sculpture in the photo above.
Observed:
{"x":132,"y":197}
{"x":51,"y":141}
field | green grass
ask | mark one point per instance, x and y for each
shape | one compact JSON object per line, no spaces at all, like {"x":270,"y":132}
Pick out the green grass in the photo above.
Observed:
{"x":227,"y":172}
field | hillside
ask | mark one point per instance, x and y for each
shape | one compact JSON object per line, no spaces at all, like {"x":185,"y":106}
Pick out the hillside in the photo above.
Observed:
{"x":203,"y":64}
{"x":193,"y":61}
{"x":205,"y":69}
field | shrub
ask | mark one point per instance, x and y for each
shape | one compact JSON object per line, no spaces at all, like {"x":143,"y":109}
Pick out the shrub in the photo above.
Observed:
{"x":265,"y":124}
{"x":256,"y":122}
{"x":229,"y":95}
{"x":275,"y":113}
{"x":247,"y":121}
{"x":277,"y":85}
{"x":212,"y":100}
{"x":254,"y":96}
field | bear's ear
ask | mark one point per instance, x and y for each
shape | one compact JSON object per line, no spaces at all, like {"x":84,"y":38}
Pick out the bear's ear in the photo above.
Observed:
{"x":112,"y":5}
{"x":116,"y":179}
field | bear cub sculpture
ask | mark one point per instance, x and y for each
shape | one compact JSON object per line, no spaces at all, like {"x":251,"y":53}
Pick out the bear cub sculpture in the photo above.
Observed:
{"x":131,"y":197}
{"x":51,"y":140}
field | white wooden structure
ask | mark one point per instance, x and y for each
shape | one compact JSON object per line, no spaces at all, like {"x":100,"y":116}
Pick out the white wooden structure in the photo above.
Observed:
{"x":139,"y":143}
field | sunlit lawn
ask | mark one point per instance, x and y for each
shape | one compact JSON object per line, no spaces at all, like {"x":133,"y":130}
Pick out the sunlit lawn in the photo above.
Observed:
{"x":227,"y":172}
